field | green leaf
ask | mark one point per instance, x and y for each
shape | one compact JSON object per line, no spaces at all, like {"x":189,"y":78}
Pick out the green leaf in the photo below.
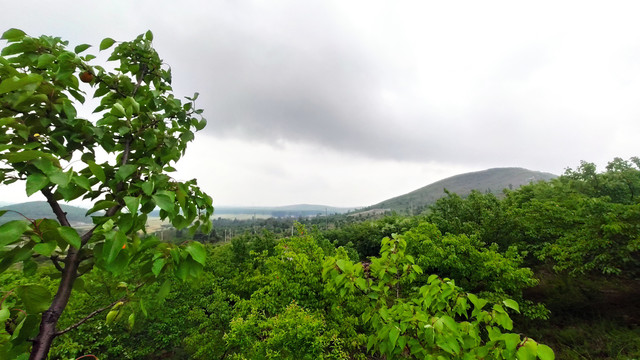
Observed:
{"x":157,"y":266}
{"x":106,"y":43}
{"x":35,"y":298}
{"x":101,"y":205}
{"x":164,"y":289}
{"x":69,"y":109}
{"x":82,"y":181}
{"x":197,"y":252}
{"x":70,"y":236}
{"x":545,"y":352}
{"x":22,"y":156}
{"x":125,"y":171}
{"x":45,"y":59}
{"x":13,"y":35}
{"x":45,"y":248}
{"x":80,"y":48}
{"x":132,"y":203}
{"x":393,"y":337}
{"x":35,"y":182}
{"x":511,"y":341}
{"x":61,"y":178}
{"x":511,"y":304}
{"x":528,"y":350}
{"x":12,"y":231}
{"x":164,"y":202}
{"x":113,"y":245}
{"x":147,"y":187}
{"x":148,"y":35}
{"x":15,"y":83}
{"x":97,"y":171}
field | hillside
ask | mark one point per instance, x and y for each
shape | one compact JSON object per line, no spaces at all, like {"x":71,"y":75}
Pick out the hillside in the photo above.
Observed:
{"x":491,"y":180}
{"x":40,"y":209}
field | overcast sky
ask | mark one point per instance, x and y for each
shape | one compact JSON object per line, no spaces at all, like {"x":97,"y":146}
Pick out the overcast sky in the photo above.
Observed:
{"x":348,"y":103}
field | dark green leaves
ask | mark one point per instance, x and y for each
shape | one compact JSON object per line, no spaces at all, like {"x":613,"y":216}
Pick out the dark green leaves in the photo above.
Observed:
{"x":35,"y":298}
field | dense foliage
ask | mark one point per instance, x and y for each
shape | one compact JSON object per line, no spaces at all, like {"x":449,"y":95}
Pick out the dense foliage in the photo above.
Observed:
{"x":475,"y":277}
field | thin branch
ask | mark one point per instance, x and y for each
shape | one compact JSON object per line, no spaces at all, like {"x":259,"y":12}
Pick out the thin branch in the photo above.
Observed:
{"x":54,"y":259}
{"x":92,"y":314}
{"x":60,"y":214}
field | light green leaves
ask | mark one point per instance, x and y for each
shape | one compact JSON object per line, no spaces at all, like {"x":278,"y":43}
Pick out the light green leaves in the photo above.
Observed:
{"x":12,"y":231}
{"x":13,"y":35}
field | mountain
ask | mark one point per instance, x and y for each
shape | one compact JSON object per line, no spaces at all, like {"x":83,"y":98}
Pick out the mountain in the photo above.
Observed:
{"x":491,"y":180}
{"x":40,"y":209}
{"x":281,"y":211}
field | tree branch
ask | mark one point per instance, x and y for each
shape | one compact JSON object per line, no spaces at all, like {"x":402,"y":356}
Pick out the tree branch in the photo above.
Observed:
{"x":60,"y":214}
{"x":92,"y":314}
{"x":54,"y":259}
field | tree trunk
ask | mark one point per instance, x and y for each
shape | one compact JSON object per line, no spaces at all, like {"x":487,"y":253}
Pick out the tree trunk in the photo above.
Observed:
{"x":42,"y":342}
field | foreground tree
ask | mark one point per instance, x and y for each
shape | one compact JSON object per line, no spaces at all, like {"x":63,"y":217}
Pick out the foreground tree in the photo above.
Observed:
{"x":119,"y":162}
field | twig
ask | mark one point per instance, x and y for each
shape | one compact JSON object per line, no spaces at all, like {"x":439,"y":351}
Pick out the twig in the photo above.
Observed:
{"x":92,"y":314}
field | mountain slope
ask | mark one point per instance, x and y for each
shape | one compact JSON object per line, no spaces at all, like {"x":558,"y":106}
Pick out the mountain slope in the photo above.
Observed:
{"x":40,"y":209}
{"x":491,"y":180}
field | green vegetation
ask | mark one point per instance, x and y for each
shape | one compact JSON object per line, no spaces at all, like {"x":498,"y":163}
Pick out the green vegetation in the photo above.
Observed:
{"x":549,"y":265}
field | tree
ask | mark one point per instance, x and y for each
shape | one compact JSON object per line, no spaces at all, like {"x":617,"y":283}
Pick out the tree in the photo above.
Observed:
{"x":119,"y":162}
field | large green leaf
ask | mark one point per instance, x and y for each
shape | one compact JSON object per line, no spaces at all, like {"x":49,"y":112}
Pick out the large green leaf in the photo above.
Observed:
{"x":97,"y":171}
{"x":125,"y":171}
{"x":106,"y":43}
{"x":70,"y":236}
{"x":35,"y":182}
{"x":545,"y":352}
{"x":115,"y":242}
{"x":164,"y":202}
{"x":13,"y":35}
{"x":15,"y":83}
{"x":22,"y":156}
{"x":101,"y":205}
{"x":197,"y":252}
{"x":12,"y":231}
{"x":35,"y":298}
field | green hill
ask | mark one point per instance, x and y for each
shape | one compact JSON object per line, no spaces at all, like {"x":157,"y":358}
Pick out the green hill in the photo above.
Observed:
{"x":40,"y":209}
{"x":491,"y":180}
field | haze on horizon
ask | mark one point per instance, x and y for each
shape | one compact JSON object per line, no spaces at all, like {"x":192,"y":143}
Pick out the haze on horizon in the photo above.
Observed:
{"x":351,"y":103}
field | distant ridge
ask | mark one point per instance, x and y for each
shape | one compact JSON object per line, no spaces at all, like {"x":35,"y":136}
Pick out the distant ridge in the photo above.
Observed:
{"x":40,"y":210}
{"x":491,"y":180}
{"x":281,"y":211}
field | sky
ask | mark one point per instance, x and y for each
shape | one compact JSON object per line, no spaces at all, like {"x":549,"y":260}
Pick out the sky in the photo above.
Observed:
{"x":349,"y":103}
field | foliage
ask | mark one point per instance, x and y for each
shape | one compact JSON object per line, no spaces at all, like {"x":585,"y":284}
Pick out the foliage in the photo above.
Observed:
{"x":435,"y":321}
{"x":141,"y":127}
